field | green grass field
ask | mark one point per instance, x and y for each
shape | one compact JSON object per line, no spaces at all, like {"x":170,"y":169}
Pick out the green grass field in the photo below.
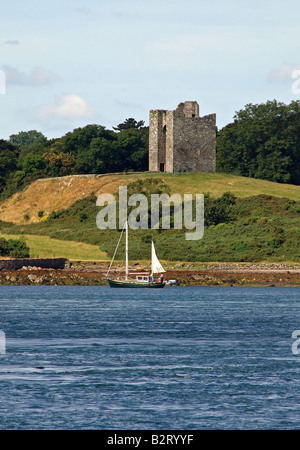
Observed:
{"x":218,"y":183}
{"x":46,"y":247}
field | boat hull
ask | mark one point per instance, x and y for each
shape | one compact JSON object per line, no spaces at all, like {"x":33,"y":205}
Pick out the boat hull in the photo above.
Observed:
{"x":134,"y":284}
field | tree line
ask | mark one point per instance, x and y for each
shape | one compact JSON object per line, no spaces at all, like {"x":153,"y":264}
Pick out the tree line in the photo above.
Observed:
{"x":262,"y":142}
{"x":92,"y":149}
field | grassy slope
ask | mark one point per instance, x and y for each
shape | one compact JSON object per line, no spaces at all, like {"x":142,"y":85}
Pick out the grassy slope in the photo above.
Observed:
{"x":216,"y":184}
{"x":266,"y":229}
{"x":57,"y":193}
{"x":46,"y":247}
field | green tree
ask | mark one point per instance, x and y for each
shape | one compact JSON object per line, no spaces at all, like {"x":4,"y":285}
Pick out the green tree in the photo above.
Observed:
{"x":14,"y":248}
{"x":4,"y":247}
{"x":102,"y":156}
{"x":58,"y":163}
{"x":97,"y":150}
{"x":262,"y":142}
{"x":18,"y":248}
{"x":129,"y":124}
{"x":24,"y":138}
{"x":33,"y":164}
{"x":15,"y":181}
{"x":8,"y":161}
{"x":78,"y":141}
{"x":133,"y":149}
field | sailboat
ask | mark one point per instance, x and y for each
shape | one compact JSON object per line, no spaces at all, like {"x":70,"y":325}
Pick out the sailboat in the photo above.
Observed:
{"x":142,"y":280}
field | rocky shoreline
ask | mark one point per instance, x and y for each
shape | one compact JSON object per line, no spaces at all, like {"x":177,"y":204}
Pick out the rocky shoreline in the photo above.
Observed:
{"x":93,"y":274}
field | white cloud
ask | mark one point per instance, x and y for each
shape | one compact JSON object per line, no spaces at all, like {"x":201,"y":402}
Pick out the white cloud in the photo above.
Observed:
{"x":37,"y":77}
{"x":69,"y":106}
{"x":283,"y":73}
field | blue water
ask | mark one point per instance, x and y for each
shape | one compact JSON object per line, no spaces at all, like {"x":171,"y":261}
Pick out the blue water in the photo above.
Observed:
{"x":182,"y":358}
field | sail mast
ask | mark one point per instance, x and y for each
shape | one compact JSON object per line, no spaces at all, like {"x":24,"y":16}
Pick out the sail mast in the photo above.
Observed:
{"x":152,"y":262}
{"x":116,"y":249}
{"x":126,"y":252}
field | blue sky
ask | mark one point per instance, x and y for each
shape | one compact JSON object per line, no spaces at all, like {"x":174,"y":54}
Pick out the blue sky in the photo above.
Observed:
{"x":69,"y":63}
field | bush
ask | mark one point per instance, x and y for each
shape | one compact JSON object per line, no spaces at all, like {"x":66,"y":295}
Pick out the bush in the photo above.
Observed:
{"x":83,"y":216}
{"x":275,"y":241}
{"x":56,"y":214}
{"x":219,"y":210}
{"x":14,"y":248}
{"x":4,"y":247}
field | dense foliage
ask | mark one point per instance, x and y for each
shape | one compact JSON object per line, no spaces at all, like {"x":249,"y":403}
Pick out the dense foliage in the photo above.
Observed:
{"x":14,"y":248}
{"x":262,"y":142}
{"x":91,"y":149}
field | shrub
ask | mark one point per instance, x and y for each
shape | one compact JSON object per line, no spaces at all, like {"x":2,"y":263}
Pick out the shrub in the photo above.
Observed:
{"x":275,"y":241}
{"x":4,"y":247}
{"x":56,"y":215}
{"x":219,"y":210}
{"x":239,"y":246}
{"x":15,"y":248}
{"x":83,"y":216}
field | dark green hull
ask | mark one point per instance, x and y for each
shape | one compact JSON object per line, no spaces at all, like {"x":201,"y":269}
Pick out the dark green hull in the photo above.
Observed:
{"x":135,"y":284}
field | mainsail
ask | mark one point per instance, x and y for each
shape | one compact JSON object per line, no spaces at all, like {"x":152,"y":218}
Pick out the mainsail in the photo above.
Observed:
{"x":156,"y":265}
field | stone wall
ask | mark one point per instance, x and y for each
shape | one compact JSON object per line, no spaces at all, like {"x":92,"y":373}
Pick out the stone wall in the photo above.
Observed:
{"x":181,"y":140}
{"x":17,"y":264}
{"x":157,"y":144}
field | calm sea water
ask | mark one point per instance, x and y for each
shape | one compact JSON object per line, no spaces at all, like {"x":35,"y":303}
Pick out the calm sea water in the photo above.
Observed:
{"x":174,"y":359}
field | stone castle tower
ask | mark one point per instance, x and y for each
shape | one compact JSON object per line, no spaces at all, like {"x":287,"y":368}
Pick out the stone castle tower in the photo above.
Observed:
{"x":181,"y":140}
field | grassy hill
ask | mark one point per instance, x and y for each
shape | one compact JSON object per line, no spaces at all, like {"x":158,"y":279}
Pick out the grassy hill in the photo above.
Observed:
{"x":264,"y":223}
{"x":47,"y":195}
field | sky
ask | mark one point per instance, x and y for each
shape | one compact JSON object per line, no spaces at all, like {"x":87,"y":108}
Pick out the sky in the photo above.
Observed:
{"x":65,"y":64}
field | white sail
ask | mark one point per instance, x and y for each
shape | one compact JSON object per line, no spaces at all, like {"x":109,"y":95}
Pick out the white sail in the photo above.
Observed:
{"x":156,"y":265}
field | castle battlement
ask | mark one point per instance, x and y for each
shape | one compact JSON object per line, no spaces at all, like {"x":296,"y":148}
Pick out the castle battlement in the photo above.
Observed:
{"x":181,"y":140}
